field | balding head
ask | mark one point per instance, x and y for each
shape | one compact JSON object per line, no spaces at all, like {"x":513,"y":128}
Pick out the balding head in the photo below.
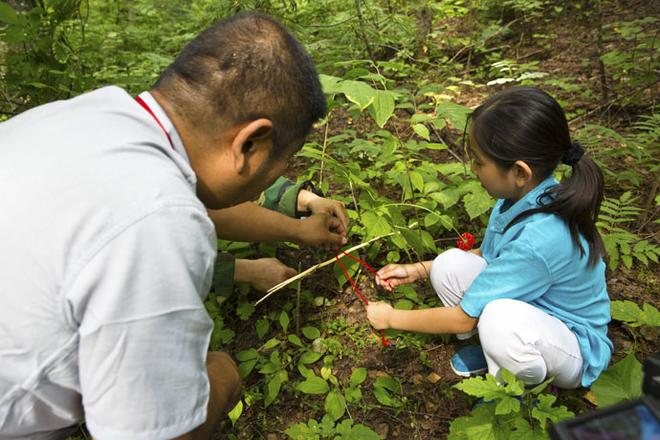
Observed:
{"x":241,"y":69}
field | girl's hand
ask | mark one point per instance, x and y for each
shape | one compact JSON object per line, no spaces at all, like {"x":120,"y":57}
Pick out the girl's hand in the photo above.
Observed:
{"x":394,"y":275}
{"x":379,"y":314}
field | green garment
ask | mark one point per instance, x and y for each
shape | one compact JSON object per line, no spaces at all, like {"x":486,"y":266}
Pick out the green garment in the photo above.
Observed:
{"x":281,"y":196}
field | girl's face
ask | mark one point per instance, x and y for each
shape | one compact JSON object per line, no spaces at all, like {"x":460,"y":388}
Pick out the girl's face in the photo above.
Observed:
{"x":500,"y":183}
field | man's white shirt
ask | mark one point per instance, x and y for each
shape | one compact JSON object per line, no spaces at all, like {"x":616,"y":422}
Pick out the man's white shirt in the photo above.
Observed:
{"x":106,"y":257}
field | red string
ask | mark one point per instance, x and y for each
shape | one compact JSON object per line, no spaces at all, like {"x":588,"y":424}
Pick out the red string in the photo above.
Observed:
{"x":383,"y":340}
{"x":364,"y":263}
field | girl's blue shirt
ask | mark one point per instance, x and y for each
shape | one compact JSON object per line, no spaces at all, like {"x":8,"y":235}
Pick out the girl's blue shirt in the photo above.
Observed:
{"x":536,"y":261}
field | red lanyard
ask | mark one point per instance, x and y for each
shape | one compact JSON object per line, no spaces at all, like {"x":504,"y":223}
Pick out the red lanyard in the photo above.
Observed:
{"x":148,"y":109}
{"x":384,"y":341}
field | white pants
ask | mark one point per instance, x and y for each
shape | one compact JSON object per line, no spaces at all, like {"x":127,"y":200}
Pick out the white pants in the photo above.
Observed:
{"x":514,"y":334}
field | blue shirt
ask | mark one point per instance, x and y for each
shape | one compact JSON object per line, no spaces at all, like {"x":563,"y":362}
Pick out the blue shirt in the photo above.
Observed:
{"x":535,"y":261}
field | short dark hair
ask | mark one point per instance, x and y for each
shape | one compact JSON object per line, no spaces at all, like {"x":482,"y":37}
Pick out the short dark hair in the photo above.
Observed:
{"x":526,"y":123}
{"x":244,"y":68}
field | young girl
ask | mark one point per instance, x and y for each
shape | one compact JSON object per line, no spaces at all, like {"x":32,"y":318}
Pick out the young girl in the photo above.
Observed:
{"x":535,"y":291}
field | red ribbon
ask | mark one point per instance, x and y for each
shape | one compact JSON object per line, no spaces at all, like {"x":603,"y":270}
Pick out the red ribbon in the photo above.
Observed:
{"x":383,"y":340}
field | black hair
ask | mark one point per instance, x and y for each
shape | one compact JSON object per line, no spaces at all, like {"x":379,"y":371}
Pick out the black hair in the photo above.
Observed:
{"x":244,"y":68}
{"x":527,"y":124}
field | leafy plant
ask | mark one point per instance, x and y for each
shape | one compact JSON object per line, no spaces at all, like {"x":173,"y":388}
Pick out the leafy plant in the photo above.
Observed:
{"x":634,"y":316}
{"x":344,"y":430}
{"x":620,"y":243}
{"x":506,"y":410}
{"x":621,"y":381}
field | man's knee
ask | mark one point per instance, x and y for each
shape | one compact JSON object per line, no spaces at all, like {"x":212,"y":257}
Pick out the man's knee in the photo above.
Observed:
{"x":222,"y":369}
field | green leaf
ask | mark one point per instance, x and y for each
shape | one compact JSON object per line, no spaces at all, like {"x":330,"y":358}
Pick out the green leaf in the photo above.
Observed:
{"x":358,"y":376}
{"x":514,"y":386}
{"x":309,"y":357}
{"x":481,"y":415}
{"x":335,"y":405}
{"x":301,"y":431}
{"x":524,"y":431}
{"x":313,"y":385}
{"x":507,"y":405}
{"x":382,"y":108}
{"x":8,"y":14}
{"x":331,"y":84}
{"x":271,"y":343}
{"x":358,"y":93}
{"x":417,"y":180}
{"x":544,"y":411}
{"x":262,"y":327}
{"x":295,"y":340}
{"x":236,"y":412}
{"x":273,"y":386}
{"x":245,"y":310}
{"x":477,"y":203}
{"x":305,"y":372}
{"x":247,"y":355}
{"x":245,"y":368}
{"x":385,"y":398}
{"x":630,"y":313}
{"x":284,"y":320}
{"x":422,"y":131}
{"x":485,"y":387}
{"x":383,"y":388}
{"x":311,"y":333}
{"x":456,"y":114}
{"x":353,"y":395}
{"x":361,"y":432}
{"x":622,"y":381}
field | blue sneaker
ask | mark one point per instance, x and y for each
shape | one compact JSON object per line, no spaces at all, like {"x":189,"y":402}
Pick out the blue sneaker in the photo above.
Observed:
{"x":469,"y":361}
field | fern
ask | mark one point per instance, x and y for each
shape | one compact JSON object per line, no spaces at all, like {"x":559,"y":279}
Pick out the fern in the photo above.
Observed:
{"x":620,"y":243}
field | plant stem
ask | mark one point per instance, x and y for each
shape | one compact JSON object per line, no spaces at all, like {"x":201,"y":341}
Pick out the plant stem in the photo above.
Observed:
{"x":318,"y":266}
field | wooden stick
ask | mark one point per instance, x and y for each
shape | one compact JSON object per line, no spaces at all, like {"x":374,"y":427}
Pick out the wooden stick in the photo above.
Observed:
{"x":298,"y":302}
{"x":317,"y":267}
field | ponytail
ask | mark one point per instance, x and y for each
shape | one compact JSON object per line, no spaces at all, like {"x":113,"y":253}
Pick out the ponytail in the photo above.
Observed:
{"x":577,"y":200}
{"x":524,"y":123}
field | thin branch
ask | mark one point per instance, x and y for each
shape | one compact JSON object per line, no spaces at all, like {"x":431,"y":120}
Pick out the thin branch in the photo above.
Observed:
{"x":325,"y":144}
{"x":318,"y":266}
{"x":298,"y":302}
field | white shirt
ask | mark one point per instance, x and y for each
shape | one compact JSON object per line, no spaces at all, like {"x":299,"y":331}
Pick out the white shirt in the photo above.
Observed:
{"x":106,"y":257}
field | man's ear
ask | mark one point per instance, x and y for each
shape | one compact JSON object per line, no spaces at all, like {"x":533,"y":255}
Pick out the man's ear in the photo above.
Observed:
{"x":254,"y":135}
{"x":522,"y":173}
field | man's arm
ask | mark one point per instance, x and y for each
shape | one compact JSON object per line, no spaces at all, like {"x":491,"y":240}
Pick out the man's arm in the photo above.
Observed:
{"x":251,"y":222}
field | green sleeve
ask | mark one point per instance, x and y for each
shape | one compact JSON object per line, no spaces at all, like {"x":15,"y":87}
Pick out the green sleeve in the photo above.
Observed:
{"x":223,"y":275}
{"x":282,"y":196}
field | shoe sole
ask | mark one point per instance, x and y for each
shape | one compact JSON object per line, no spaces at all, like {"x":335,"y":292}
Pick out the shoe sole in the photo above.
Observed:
{"x":468,"y":373}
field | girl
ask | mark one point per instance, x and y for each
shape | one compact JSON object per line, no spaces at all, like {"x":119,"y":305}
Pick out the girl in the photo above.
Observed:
{"x":535,"y":291}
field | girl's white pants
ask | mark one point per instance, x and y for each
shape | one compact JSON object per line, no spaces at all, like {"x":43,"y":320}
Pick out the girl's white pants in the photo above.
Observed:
{"x":514,"y":334}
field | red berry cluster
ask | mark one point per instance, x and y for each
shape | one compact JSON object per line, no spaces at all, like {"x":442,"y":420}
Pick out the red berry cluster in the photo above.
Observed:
{"x":465,"y":241}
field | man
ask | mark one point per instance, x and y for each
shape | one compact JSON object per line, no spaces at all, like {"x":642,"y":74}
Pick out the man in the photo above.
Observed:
{"x":107,"y":248}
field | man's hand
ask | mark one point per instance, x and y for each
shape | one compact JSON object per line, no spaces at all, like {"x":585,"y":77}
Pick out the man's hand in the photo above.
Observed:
{"x":308,"y":201}
{"x":321,"y":230}
{"x":263,"y":273}
{"x":379,"y":314}
{"x":394,"y":275}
